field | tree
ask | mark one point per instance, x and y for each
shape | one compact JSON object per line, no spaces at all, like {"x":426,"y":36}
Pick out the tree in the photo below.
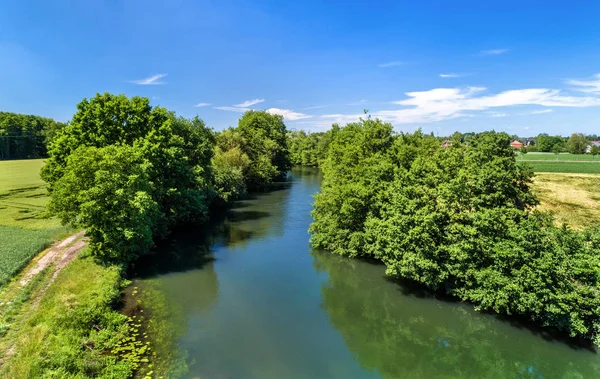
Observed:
{"x":556,"y":149}
{"x":108,"y":192}
{"x":545,"y":143}
{"x":594,"y":150}
{"x":101,"y":121}
{"x":577,"y":144}
{"x":457,"y":220}
{"x":25,"y":136}
{"x":174,"y":153}
{"x":265,"y":142}
{"x":523,"y":151}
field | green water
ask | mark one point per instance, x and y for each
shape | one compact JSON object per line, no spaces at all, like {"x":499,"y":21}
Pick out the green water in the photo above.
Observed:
{"x":252,"y":300}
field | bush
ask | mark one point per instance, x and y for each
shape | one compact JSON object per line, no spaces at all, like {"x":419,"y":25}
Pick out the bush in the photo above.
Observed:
{"x":458,"y":220}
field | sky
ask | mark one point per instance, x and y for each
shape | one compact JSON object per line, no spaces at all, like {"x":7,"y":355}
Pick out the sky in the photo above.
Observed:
{"x":524,"y":67}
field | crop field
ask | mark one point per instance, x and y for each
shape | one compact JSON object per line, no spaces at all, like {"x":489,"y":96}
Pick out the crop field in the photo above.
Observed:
{"x":24,"y":229}
{"x":574,"y":199}
{"x":562,"y":157}
{"x":570,"y":167}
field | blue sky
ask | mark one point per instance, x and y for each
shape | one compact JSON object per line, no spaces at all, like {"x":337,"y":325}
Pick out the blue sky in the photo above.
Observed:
{"x":521,"y":66}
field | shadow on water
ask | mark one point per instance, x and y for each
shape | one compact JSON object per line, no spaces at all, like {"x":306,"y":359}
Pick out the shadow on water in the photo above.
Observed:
{"x":190,"y":247}
{"x":400,"y":329}
{"x":411,"y":288}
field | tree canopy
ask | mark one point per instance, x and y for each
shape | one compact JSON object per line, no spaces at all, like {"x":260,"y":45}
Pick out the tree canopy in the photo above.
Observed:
{"x":129,"y":172}
{"x":25,"y":136}
{"x":459,"y":220}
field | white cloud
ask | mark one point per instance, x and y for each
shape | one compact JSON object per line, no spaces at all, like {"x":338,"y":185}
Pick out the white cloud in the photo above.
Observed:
{"x":317,"y":107}
{"x":288,"y":114}
{"x":441,"y":104}
{"x":590,"y":86}
{"x":249,"y":103}
{"x":232,"y":109}
{"x":541,"y":111}
{"x":493,"y":52}
{"x":452,"y":75}
{"x":358,"y":102}
{"x":202,"y":104}
{"x":498,"y":114}
{"x":390,"y":64}
{"x":151,"y":80}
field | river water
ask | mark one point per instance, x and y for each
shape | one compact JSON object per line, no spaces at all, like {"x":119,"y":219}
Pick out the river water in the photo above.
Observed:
{"x":251,"y":299}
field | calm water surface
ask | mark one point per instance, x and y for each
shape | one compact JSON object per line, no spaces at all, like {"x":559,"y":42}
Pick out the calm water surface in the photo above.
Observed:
{"x":252,"y":300}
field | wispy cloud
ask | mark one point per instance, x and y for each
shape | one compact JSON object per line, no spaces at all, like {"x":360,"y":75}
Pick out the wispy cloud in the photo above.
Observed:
{"x":441,"y":104}
{"x":232,"y":109}
{"x":590,"y":86}
{"x":151,"y":80}
{"x":541,"y":111}
{"x":202,"y":104}
{"x":317,"y":107}
{"x":452,"y":75}
{"x":360,"y":102}
{"x":493,"y":52}
{"x":390,"y":64}
{"x":288,"y":114}
{"x":249,"y":103}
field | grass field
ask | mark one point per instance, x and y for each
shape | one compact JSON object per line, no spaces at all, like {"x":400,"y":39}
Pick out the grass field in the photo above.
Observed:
{"x":24,"y":230}
{"x":574,"y":199}
{"x":564,"y":167}
{"x":566,"y":163}
{"x":561,"y":157}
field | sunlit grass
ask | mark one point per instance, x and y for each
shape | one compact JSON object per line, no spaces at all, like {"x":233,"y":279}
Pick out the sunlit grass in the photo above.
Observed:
{"x":574,"y":199}
{"x":24,"y":228}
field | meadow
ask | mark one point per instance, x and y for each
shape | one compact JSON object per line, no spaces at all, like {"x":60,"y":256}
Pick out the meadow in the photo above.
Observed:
{"x":573,"y":199}
{"x":25,"y":230}
{"x":564,"y":163}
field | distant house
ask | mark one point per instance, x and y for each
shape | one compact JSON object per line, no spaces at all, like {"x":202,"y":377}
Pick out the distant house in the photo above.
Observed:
{"x":588,"y":149}
{"x":516,"y":144}
{"x":446,"y":143}
{"x":529,"y":142}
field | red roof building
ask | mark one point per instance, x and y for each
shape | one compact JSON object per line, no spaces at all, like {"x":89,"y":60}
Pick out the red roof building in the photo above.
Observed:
{"x":516,"y":144}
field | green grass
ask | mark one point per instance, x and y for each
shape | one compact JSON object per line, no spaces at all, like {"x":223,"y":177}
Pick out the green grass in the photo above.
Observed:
{"x":19,"y":246}
{"x":561,"y":157}
{"x":24,"y":228}
{"x":73,"y":330}
{"x":564,"y":167}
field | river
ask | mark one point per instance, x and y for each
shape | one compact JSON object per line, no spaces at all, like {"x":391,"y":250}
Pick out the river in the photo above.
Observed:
{"x":251,"y":299}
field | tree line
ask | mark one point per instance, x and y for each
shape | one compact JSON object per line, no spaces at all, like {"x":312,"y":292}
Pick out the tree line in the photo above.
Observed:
{"x":129,"y":172}
{"x":457,"y":220}
{"x":25,"y":136}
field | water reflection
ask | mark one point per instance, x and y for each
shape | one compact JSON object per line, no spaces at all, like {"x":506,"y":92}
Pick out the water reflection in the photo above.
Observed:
{"x":401,"y":335}
{"x":245,"y":298}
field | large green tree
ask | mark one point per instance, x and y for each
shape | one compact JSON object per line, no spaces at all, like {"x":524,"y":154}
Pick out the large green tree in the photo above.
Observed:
{"x":545,"y":143}
{"x":577,"y":144}
{"x":175,"y":154}
{"x":108,"y":192}
{"x":265,"y":142}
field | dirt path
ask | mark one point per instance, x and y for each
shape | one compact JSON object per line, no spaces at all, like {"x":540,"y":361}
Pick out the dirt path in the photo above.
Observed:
{"x":59,"y":254}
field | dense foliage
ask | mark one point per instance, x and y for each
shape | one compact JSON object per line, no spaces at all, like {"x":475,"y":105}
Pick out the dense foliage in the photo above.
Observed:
{"x":577,"y":144}
{"x":457,"y":220}
{"x":128,"y":172}
{"x":252,"y":155}
{"x":25,"y":136}
{"x":309,"y":149}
